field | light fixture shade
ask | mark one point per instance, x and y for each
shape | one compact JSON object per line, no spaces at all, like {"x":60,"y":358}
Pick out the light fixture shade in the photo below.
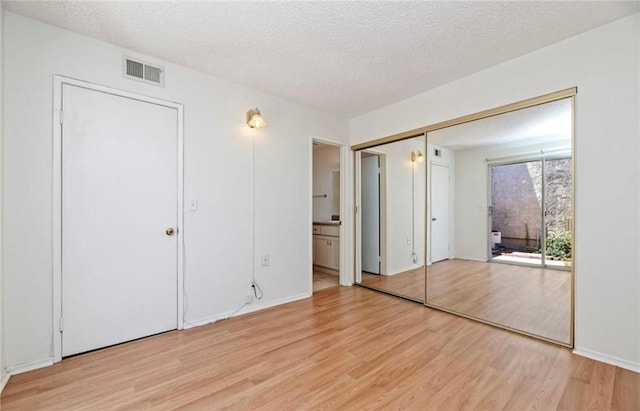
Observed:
{"x":416,"y":156}
{"x":254,"y":118}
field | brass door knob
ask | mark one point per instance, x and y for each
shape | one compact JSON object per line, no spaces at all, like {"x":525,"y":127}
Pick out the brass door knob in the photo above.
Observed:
{"x":170,"y":231}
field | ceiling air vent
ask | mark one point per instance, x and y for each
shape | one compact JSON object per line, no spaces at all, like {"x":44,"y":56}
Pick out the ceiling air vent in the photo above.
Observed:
{"x":141,"y":71}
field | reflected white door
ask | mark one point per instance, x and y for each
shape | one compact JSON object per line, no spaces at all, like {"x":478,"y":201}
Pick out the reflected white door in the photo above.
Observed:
{"x":119,"y":196}
{"x":370,"y":211}
{"x":439,"y":212}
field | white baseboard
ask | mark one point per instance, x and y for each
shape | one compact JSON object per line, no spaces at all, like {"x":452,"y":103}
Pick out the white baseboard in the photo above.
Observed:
{"x":23,"y":367}
{"x":403,"y":269}
{"x":482,"y":260}
{"x":29,"y":366}
{"x":3,"y":381}
{"x":609,"y":359}
{"x":246,"y":310}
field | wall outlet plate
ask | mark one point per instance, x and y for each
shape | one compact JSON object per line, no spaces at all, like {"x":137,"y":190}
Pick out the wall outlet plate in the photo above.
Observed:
{"x":248,"y":299}
{"x":265,"y":260}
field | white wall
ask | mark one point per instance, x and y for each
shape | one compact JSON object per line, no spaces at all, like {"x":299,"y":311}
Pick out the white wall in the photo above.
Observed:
{"x":326,"y":160}
{"x":217,"y":173}
{"x":604,"y":64}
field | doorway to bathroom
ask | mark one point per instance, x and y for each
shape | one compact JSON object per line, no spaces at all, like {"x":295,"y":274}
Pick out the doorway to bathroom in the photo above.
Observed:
{"x":327,"y":199}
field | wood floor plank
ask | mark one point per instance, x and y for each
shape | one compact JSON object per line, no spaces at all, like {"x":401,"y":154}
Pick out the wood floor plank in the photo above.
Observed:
{"x":342,"y":349}
{"x":534,"y":300}
{"x":531,"y":299}
{"x":625,"y":390}
{"x":409,"y":283}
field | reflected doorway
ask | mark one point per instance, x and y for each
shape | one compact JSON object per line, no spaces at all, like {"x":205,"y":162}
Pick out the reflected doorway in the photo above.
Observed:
{"x":371,"y":222}
{"x":390,"y":203}
{"x":440,"y":192}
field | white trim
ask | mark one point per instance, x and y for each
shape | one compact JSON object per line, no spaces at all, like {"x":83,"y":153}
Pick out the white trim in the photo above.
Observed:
{"x":403,"y":269}
{"x":346,"y":216}
{"x":357,"y":249}
{"x":28,"y":366}
{"x":468,"y":259}
{"x":56,"y":195}
{"x":252,"y":308}
{"x":608,"y":359}
{"x":310,"y":211}
{"x":4,"y":381}
{"x":23,"y":367}
{"x":384,"y":213}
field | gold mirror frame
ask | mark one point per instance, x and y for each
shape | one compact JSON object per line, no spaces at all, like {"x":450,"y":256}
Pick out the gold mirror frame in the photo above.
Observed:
{"x":535,"y":101}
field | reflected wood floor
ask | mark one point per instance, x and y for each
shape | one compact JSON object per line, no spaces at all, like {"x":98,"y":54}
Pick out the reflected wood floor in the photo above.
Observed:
{"x":343,"y":349}
{"x":322,"y":280}
{"x":535,"y":300}
{"x":409,"y":283}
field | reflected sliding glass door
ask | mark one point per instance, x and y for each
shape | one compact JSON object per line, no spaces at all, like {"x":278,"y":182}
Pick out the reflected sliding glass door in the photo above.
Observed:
{"x":530,"y":212}
{"x":558,"y":221}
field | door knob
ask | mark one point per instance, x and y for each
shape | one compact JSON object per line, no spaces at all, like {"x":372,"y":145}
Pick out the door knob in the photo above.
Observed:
{"x":433,"y":219}
{"x":170,"y":231}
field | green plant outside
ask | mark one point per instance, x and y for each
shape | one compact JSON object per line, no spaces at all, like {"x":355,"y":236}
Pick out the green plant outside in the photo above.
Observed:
{"x":559,"y":245}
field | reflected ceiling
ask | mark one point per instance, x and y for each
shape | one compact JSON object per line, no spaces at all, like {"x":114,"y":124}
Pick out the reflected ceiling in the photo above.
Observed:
{"x":543,"y":123}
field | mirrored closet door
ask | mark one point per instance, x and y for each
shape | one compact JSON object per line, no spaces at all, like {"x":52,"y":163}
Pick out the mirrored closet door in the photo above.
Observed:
{"x":500,"y":219}
{"x":391,"y":201}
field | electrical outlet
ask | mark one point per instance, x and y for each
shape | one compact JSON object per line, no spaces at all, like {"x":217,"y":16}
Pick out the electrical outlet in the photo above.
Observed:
{"x":248,"y":299}
{"x":193,"y":204}
{"x":265,"y":260}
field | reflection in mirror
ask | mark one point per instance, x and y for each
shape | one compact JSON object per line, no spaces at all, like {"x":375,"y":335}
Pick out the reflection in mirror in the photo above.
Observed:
{"x":500,"y":213}
{"x":391,"y":209}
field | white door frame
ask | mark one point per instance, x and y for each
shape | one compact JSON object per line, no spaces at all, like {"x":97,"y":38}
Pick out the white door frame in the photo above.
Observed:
{"x":56,"y":205}
{"x":346,"y":217}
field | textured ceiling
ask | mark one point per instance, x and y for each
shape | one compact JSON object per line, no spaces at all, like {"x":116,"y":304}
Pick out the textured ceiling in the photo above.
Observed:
{"x":344,"y":57}
{"x":545,"y":123}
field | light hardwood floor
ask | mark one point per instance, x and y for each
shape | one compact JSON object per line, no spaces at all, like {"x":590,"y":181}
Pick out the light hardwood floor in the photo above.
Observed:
{"x":535,"y":300}
{"x":409,"y":283}
{"x":342,"y":349}
{"x":322,"y":280}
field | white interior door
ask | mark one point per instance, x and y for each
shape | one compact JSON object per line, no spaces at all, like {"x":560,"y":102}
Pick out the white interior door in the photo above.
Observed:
{"x":439,"y":212}
{"x":119,"y":196}
{"x":370,"y":207}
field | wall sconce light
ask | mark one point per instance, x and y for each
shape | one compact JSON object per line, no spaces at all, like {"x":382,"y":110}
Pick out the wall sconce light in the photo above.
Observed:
{"x":416,"y":156}
{"x":254,"y":118}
